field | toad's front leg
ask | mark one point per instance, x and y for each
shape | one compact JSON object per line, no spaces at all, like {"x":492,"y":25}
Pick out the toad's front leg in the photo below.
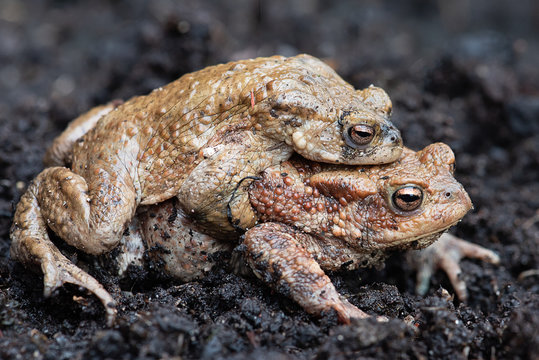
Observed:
{"x":445,"y":254}
{"x":279,"y":259}
{"x":214,"y":194}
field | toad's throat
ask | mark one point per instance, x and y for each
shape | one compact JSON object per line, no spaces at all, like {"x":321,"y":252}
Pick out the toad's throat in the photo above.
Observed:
{"x":420,"y":241}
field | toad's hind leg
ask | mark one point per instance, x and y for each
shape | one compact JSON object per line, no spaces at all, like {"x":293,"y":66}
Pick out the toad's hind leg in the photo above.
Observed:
{"x":32,"y":246}
{"x":59,"y":152}
{"x":275,"y":253}
{"x":90,"y":216}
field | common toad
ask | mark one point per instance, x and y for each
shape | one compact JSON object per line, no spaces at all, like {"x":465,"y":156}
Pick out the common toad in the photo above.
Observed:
{"x":198,"y":136}
{"x":310,"y":217}
{"x":194,"y":139}
{"x":170,"y":143}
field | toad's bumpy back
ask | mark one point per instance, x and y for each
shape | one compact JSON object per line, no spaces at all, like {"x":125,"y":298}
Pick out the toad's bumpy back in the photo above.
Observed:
{"x":195,"y":139}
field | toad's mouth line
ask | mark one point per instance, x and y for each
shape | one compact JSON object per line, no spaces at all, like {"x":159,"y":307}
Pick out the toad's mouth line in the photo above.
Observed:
{"x":428,"y":236}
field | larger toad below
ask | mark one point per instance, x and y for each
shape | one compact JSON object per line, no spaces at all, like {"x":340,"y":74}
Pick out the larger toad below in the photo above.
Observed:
{"x":312,"y":217}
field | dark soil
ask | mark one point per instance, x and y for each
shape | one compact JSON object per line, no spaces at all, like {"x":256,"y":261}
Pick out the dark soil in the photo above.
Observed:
{"x":465,"y":75}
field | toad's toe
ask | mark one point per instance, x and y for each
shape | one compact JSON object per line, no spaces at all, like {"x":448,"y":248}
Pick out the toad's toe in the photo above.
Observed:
{"x":445,"y":254}
{"x":58,"y":271}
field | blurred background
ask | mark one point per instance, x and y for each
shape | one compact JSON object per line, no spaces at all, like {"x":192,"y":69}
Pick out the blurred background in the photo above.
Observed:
{"x":96,"y":43}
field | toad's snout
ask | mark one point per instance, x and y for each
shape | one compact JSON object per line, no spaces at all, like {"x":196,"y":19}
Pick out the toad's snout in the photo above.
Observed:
{"x":457,"y":197}
{"x":393,"y":136}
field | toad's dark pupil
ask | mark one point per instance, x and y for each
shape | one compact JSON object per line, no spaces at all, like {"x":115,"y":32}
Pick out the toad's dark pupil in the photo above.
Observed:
{"x":407,"y":198}
{"x":361,"y":134}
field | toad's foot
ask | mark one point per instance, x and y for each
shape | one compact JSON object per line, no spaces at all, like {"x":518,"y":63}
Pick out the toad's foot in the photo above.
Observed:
{"x":31,"y":246}
{"x":276,"y":255}
{"x":58,"y":270}
{"x":446,"y":254}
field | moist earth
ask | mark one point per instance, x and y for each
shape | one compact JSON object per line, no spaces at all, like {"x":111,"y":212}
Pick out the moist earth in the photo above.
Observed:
{"x":471,"y":84}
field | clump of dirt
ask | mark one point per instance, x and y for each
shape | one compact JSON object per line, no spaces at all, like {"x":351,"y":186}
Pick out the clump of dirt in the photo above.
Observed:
{"x":478,"y":92}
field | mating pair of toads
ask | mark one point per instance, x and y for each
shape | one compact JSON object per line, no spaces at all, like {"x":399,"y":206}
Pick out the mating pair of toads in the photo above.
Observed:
{"x":277,"y":157}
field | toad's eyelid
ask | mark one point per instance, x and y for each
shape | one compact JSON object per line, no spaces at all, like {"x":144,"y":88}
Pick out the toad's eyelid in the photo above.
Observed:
{"x":398,"y":183}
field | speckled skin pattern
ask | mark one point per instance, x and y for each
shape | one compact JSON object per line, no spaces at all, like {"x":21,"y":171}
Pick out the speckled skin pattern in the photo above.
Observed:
{"x":194,"y":139}
{"x":311,"y":217}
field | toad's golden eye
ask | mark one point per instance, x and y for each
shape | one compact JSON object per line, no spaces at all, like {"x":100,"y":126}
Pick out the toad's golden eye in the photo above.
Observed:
{"x":358,"y":135}
{"x":407,"y":198}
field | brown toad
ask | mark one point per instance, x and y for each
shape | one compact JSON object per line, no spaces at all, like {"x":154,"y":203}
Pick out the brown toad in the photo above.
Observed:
{"x":314,"y":217}
{"x":311,"y":217}
{"x":194,"y":139}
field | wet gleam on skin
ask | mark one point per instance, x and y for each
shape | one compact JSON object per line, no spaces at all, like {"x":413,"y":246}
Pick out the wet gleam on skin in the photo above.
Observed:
{"x":193,"y":139}
{"x":310,"y":217}
{"x":313,"y":217}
